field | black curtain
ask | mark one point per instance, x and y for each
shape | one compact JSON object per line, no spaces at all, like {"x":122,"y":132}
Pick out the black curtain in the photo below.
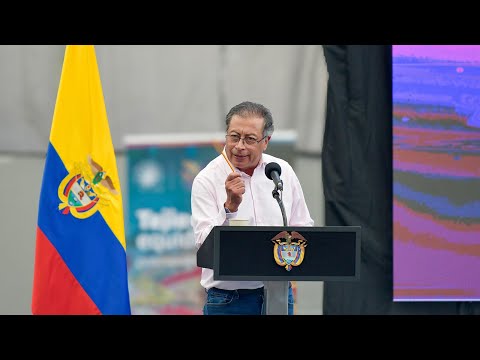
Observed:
{"x":357,"y":179}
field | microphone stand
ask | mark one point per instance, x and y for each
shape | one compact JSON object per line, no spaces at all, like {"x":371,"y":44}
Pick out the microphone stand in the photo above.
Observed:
{"x":277,"y":197}
{"x":276,"y":292}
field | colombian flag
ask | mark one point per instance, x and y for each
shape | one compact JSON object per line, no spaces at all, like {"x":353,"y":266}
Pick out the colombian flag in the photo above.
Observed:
{"x":80,"y":256}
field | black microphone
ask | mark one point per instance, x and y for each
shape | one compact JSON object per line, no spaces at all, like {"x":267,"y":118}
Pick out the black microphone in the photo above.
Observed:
{"x":273,"y":171}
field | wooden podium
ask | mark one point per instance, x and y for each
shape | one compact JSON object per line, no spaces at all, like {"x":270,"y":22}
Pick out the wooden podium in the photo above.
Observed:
{"x":330,"y":253}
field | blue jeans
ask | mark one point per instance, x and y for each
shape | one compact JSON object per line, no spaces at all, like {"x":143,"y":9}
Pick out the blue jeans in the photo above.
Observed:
{"x":233,"y":302}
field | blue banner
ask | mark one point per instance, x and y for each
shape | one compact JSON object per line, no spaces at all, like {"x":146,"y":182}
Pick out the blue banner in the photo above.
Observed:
{"x":161,"y":254}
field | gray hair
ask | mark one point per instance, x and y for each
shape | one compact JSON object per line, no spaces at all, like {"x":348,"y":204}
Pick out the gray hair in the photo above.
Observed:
{"x":248,"y":108}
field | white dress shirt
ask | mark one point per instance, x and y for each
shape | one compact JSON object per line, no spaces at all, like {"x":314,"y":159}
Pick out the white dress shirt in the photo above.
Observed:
{"x":258,"y":206}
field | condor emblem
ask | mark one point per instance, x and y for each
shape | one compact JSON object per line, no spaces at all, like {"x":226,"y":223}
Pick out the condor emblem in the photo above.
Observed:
{"x":82,"y":189}
{"x":289,"y":249}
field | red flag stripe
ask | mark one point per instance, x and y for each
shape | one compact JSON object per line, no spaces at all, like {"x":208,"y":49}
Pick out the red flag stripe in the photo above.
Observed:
{"x":65,"y":295}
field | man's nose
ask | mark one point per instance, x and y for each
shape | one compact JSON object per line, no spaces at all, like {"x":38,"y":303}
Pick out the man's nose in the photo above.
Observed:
{"x":240,"y":143}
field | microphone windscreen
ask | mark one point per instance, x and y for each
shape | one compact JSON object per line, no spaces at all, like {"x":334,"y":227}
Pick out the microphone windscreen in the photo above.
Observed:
{"x":273,"y":166}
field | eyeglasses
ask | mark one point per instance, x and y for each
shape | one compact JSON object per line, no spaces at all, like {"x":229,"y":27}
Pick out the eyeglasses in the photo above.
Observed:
{"x":249,"y":140}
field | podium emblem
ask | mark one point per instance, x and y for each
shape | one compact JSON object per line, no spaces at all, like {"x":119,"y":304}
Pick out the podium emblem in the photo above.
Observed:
{"x":289,"y":249}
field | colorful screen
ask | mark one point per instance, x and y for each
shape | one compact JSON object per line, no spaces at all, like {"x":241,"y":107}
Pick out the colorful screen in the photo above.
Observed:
{"x":436,"y":172}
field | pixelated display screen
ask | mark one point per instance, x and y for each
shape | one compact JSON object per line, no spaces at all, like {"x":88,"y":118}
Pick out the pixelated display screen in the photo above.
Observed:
{"x":436,"y":172}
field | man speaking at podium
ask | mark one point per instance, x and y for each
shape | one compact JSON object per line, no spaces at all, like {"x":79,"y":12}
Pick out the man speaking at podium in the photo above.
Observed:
{"x":235,"y":185}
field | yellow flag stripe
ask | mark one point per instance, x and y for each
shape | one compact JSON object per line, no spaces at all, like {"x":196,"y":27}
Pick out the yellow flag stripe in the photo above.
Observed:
{"x":80,"y":126}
